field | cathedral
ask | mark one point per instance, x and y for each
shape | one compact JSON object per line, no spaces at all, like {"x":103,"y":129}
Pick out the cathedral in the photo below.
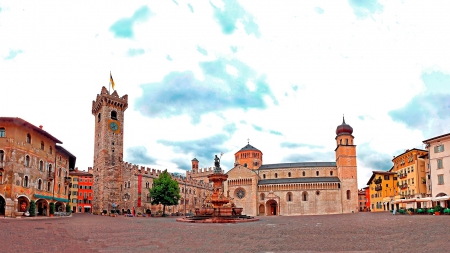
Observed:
{"x":301,"y":188}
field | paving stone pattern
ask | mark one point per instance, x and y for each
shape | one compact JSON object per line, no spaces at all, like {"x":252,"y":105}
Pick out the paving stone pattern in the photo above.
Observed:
{"x":360,"y":232}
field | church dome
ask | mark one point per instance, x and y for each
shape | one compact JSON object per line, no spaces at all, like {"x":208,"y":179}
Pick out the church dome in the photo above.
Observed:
{"x":249,"y":147}
{"x":344,"y":128}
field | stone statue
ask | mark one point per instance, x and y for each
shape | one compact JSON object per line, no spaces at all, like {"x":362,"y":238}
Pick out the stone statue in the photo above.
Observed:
{"x":217,"y":162}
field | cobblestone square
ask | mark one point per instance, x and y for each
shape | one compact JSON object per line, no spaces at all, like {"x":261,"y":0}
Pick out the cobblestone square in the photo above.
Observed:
{"x":361,"y":232}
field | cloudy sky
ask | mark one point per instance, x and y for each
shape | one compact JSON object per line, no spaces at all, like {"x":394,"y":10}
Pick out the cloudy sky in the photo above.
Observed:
{"x":204,"y":76}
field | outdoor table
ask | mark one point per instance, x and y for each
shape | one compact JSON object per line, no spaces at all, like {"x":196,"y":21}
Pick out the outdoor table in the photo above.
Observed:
{"x":431,"y":210}
{"x":420,"y":210}
{"x":447,"y":210}
{"x":402,"y":211}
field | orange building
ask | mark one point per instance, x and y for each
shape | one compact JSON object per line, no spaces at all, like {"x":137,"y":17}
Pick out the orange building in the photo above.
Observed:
{"x":85,"y":192}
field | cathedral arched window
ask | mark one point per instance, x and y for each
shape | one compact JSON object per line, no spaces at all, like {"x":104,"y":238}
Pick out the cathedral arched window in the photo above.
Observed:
{"x":262,"y":196}
{"x":114,"y":115}
{"x":289,"y":174}
{"x":27,"y":161}
{"x":317,"y":173}
{"x":289,"y":197}
{"x":303,"y":173}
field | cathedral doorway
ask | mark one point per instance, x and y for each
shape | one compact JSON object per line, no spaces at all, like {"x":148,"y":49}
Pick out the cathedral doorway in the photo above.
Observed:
{"x":271,"y":207}
{"x":261,"y":210}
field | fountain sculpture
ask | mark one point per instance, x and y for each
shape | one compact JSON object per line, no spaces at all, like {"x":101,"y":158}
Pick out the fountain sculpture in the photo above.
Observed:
{"x":218,"y":208}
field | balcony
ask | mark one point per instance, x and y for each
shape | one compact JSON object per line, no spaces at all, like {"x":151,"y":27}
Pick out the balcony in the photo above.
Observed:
{"x":378,"y":181}
{"x":402,"y":175}
{"x":67,"y":180}
{"x":403,"y":186}
{"x":378,"y":188}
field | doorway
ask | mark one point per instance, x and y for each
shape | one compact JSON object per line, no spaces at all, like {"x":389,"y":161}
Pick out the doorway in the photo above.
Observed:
{"x":272,"y":207}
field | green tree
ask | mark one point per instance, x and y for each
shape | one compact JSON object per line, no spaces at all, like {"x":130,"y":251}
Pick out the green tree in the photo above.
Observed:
{"x":165,"y":191}
{"x":32,"y":210}
{"x":52,"y":208}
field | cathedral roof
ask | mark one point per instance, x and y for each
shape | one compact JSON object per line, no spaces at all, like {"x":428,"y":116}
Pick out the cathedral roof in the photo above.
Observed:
{"x":249,"y":147}
{"x":297,"y":165}
{"x":300,"y":180}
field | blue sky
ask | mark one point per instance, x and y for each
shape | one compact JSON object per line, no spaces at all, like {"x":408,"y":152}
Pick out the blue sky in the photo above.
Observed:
{"x":203,"y":77}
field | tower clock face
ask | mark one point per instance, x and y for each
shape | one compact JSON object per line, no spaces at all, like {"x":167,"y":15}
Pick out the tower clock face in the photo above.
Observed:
{"x":113,"y":126}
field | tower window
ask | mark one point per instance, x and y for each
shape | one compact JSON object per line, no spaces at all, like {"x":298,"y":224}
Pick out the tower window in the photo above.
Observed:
{"x":114,"y":115}
{"x":289,"y":197}
{"x":346,"y":141}
{"x":28,"y":138}
{"x":99,"y":116}
{"x":304,"y":196}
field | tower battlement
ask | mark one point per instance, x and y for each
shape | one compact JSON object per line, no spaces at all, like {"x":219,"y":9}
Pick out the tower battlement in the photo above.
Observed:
{"x":104,"y":98}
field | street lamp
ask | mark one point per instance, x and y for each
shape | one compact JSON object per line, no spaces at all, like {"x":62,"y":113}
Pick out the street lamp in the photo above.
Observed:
{"x":185,"y":190}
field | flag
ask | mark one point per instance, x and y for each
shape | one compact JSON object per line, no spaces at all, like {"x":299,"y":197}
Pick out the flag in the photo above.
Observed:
{"x":111,"y":80}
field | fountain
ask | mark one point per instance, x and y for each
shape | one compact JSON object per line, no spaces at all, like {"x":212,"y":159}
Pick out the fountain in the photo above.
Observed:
{"x":218,"y":208}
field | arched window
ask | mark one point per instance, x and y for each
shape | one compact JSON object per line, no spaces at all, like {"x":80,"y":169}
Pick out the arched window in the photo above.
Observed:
{"x":28,"y":138}
{"x":264,"y":176}
{"x":346,"y":141}
{"x":190,"y":191}
{"x":42,"y":145}
{"x":99,"y":116}
{"x":59,"y":188}
{"x":49,"y":169}
{"x":51,"y":150}
{"x":303,"y":173}
{"x":39,"y":184}
{"x":49,"y":186}
{"x":129,"y":184}
{"x":41,"y":165}
{"x":27,"y":161}
{"x":317,"y":173}
{"x":182,"y":190}
{"x":147,"y":185}
{"x":262,"y":196}
{"x":25,"y":181}
{"x":289,"y":197}
{"x":317,"y":193}
{"x":2,"y":155}
{"x":65,"y":190}
{"x":114,"y":115}
{"x":348,"y":194}
{"x":2,"y":132}
{"x":331,"y":173}
{"x":59,"y":172}
{"x":289,"y":174}
{"x":276,"y":175}
{"x":340,"y":141}
{"x":245,"y":165}
{"x":304,"y":196}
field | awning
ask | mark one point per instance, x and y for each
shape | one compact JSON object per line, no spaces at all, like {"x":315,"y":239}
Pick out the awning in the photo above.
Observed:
{"x":441,"y":198}
{"x":61,"y":200}
{"x":403,"y":201}
{"x":42,"y":196}
{"x":424,"y":199}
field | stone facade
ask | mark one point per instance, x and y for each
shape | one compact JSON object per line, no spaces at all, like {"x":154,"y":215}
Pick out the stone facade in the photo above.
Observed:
{"x":32,"y":167}
{"x":296,"y":188}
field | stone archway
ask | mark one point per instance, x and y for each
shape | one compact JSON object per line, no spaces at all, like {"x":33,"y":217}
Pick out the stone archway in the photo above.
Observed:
{"x":262,"y":210}
{"x":42,"y":207}
{"x":271,"y":207}
{"x":59,"y":207}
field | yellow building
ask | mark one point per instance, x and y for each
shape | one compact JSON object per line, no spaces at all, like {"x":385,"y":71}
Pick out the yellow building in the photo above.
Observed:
{"x":73,"y":191}
{"x":382,"y":187}
{"x":410,"y":169}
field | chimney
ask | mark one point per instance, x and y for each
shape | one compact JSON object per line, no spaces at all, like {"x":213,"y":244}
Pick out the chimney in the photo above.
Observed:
{"x":40,"y":126}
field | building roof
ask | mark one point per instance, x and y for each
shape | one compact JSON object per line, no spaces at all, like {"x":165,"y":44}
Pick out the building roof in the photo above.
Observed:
{"x":194,"y":160}
{"x":249,"y":147}
{"x":435,"y":138}
{"x":80,"y":173}
{"x":72,"y":158}
{"x":297,"y":165}
{"x":408,"y":150}
{"x":379,"y":172}
{"x":300,"y":180}
{"x":19,"y":121}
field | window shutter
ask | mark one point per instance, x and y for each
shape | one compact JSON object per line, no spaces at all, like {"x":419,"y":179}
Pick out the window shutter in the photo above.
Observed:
{"x":435,"y":149}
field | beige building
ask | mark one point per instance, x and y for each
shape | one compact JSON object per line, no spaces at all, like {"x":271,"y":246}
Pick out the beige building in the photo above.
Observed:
{"x":438,"y":165}
{"x":32,"y":167}
{"x":296,"y":188}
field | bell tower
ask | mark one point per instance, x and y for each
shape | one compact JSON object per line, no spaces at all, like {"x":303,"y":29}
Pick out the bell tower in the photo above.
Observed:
{"x":108,"y":110}
{"x":346,"y":167}
{"x":249,"y":157}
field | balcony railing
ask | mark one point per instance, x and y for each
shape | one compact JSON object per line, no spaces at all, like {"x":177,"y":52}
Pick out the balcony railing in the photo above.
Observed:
{"x":378,"y":181}
{"x":403,"y":175}
{"x":403,"y":186}
{"x":378,"y":188}
{"x":67,"y":180}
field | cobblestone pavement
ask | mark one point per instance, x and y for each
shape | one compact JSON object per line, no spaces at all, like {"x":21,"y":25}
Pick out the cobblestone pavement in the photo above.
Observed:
{"x":362,"y":232}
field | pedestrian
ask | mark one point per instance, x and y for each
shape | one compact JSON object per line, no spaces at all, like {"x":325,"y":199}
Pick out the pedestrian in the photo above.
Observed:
{"x":395,"y":210}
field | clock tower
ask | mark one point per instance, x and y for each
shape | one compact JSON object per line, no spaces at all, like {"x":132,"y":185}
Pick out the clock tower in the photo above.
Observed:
{"x":108,"y":110}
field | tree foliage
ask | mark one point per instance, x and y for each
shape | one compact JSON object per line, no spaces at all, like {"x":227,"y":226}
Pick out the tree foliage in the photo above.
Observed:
{"x":32,"y":210}
{"x":165,"y":191}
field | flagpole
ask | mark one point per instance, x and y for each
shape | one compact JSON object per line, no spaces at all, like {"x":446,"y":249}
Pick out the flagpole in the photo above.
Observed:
{"x":109,"y":87}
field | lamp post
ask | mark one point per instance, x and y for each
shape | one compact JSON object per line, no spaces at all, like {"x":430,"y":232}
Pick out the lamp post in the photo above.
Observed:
{"x":185,"y":190}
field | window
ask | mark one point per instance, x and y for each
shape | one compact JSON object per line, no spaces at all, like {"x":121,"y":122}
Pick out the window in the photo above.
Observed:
{"x":264,"y":176}
{"x":39,"y":184}
{"x":348,"y":194}
{"x":289,"y":197}
{"x":317,"y":173}
{"x":49,"y":186}
{"x":439,"y":148}
{"x":303,"y":173}
{"x":42,"y":145}
{"x":99,"y":116}
{"x":114,"y":115}
{"x":2,"y":132}
{"x":276,"y":175}
{"x":289,"y":174}
{"x":331,"y":173}
{"x":317,"y":193}
{"x":441,"y":179}
{"x":262,"y":196}
{"x":2,"y":155}
{"x":25,"y":181}
{"x":386,"y":177}
{"x":51,"y":150}
{"x":304,"y":196}
{"x":28,"y":138}
{"x":59,"y":172}
{"x":147,"y":185}
{"x":440,"y":165}
{"x":27,"y":161}
{"x":41,"y":165}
